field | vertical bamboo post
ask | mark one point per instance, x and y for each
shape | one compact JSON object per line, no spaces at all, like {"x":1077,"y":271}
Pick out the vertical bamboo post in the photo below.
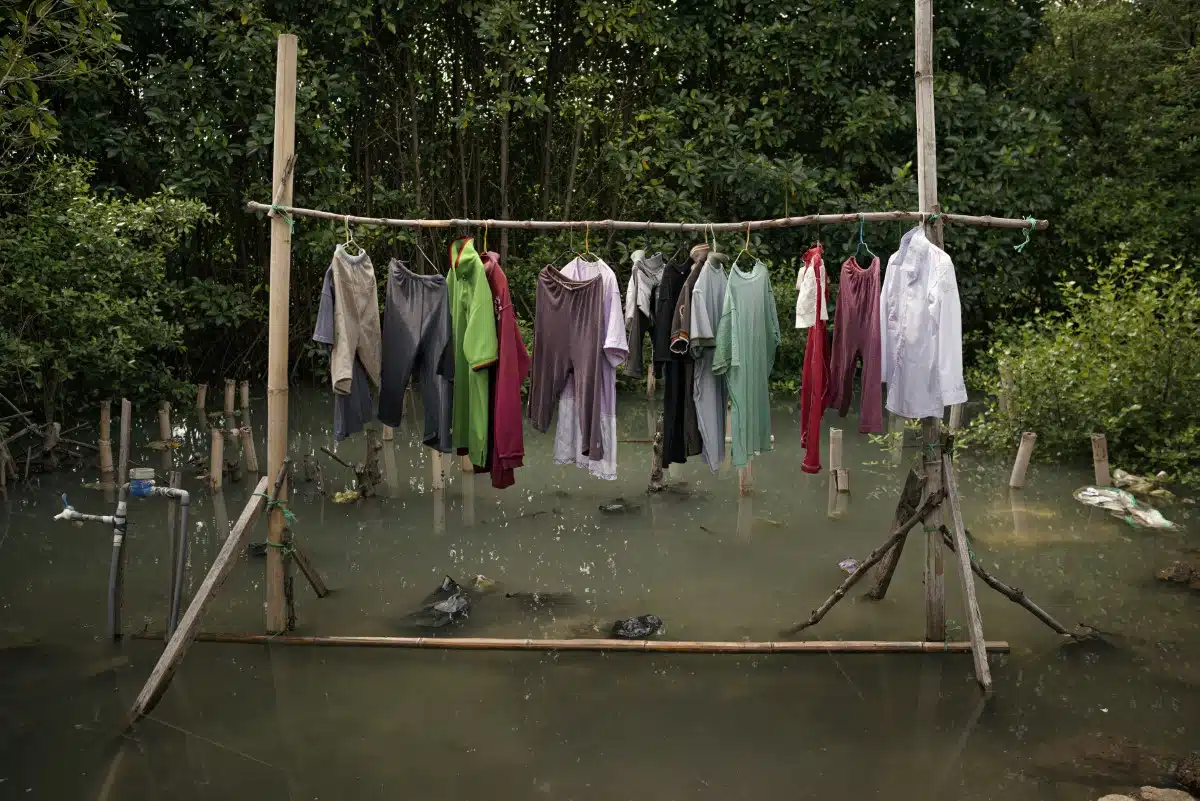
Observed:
{"x":927,"y":190}
{"x":232,"y":432}
{"x":216,"y":458}
{"x":437,"y":471}
{"x":1024,"y":453}
{"x":651,"y":383}
{"x":201,"y":397}
{"x":956,"y":415}
{"x":388,"y":434}
{"x":835,"y":467}
{"x":106,"y":460}
{"x":230,"y":397}
{"x":746,"y":478}
{"x":277,"y":361}
{"x":174,"y":480}
{"x":244,"y":391}
{"x":123,"y":445}
{"x":164,"y":434}
{"x":1100,"y":460}
{"x":249,"y":454}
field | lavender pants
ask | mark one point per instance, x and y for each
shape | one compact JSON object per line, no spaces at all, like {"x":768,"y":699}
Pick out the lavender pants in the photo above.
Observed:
{"x":855,"y":338}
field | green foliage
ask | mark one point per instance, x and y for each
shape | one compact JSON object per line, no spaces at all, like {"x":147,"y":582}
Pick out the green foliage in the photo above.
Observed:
{"x":43,"y":43}
{"x":1123,"y":358}
{"x":83,"y":295}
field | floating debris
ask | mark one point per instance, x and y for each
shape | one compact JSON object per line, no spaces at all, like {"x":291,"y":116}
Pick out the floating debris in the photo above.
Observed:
{"x":849,"y":565}
{"x":165,"y":444}
{"x":618,"y":506}
{"x":637,"y":628}
{"x":1122,"y":504}
{"x":347,"y":496}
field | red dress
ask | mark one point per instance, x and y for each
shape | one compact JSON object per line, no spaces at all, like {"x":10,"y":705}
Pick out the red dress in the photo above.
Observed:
{"x":505,"y":432}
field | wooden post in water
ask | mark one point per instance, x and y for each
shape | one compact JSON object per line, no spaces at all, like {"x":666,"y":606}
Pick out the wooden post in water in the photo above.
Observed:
{"x":216,"y":458}
{"x":232,"y":431}
{"x":126,"y":423}
{"x":1024,"y":453}
{"x":164,"y":435}
{"x":956,"y":416}
{"x":983,"y":672}
{"x":651,"y":383}
{"x":437,"y":471}
{"x":1100,"y":460}
{"x":284,"y":158}
{"x":249,"y":454}
{"x":746,"y":478}
{"x":201,"y":398}
{"x":230,"y":399}
{"x":106,"y":459}
{"x":388,"y":434}
{"x":927,"y":190}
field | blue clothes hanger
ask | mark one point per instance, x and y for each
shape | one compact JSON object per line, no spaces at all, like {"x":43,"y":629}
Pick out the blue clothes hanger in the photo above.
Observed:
{"x":862,"y":243}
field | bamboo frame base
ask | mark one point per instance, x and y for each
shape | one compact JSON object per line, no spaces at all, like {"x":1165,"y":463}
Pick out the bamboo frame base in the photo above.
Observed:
{"x":657,"y":646}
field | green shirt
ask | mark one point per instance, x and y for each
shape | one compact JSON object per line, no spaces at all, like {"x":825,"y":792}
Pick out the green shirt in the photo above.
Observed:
{"x":474,"y":323}
{"x":747,"y":339}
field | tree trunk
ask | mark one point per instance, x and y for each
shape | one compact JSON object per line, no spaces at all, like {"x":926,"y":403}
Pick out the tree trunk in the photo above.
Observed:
{"x":504,"y":119}
{"x":571,"y":170}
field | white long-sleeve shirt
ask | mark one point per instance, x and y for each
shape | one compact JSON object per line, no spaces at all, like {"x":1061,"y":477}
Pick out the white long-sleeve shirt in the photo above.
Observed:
{"x":920,"y":324}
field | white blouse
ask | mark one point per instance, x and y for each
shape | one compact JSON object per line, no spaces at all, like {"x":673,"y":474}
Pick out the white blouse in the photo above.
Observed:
{"x":920,"y":324}
{"x":807,"y":292}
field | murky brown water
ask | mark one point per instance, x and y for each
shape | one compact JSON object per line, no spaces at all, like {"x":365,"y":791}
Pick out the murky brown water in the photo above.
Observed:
{"x":279,"y":722}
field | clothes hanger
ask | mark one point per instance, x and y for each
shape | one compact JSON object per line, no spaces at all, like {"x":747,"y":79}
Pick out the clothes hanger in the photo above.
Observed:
{"x":350,"y":238}
{"x":862,"y":243}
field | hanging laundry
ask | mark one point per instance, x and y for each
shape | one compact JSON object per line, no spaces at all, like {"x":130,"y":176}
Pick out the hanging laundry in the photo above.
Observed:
{"x":680,"y":336}
{"x":568,"y":444}
{"x":473,"y":317}
{"x":747,"y":339}
{"x":681,"y":436}
{"x":708,"y":391}
{"x":568,"y":345}
{"x":351,"y":412}
{"x":921,"y":330}
{"x":644,"y":279}
{"x":417,"y":339}
{"x":355,"y":320}
{"x":813,"y":382}
{"x":507,"y":449}
{"x":855,"y":338}
{"x":810,"y":297}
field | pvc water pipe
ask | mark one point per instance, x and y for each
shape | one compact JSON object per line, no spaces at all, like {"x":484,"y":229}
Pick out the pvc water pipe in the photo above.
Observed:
{"x":181,"y":549}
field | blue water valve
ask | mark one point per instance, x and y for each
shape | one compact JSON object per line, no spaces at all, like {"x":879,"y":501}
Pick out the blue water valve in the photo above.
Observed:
{"x":141,"y":481}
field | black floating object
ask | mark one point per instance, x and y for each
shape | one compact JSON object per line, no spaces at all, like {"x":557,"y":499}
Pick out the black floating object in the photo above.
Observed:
{"x":618,"y":506}
{"x":637,"y":628}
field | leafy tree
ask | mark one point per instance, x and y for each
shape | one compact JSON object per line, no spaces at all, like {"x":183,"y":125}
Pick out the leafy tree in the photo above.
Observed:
{"x":83,"y":296}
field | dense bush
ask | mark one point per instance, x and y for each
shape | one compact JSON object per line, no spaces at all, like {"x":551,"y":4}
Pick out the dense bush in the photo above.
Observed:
{"x":1122,"y":358}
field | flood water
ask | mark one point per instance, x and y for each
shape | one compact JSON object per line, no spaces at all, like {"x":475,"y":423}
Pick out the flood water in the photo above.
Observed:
{"x":290,"y":722}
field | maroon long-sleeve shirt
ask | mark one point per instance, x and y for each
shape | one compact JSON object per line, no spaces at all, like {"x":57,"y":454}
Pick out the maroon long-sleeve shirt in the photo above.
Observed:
{"x":508,"y":374}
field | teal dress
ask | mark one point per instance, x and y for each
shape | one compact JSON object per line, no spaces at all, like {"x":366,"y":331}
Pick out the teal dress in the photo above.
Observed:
{"x":747,"y":339}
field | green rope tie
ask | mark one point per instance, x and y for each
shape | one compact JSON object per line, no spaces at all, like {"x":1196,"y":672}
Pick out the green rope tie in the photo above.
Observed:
{"x":288,"y":514}
{"x":935,"y":216}
{"x":1028,"y":234}
{"x":285,"y":548}
{"x":282,"y":212}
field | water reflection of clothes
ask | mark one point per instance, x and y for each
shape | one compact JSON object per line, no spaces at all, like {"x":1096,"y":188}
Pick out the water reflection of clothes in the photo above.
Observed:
{"x":417,"y":339}
{"x":506,"y":439}
{"x":568,"y":442}
{"x":856,"y":337}
{"x":681,"y":436}
{"x":351,"y":411}
{"x":567,"y":346}
{"x":746,"y":343}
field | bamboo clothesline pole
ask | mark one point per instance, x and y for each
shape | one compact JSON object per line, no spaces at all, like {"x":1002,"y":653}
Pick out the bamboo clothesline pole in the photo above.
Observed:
{"x":642,"y":646}
{"x":669,"y":227}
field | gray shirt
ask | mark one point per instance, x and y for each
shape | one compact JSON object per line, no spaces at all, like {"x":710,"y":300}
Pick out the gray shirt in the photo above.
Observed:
{"x":708,"y":390}
{"x":353,"y":411}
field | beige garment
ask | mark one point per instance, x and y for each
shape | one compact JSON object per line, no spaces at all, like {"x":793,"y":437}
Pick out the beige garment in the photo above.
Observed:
{"x":355,"y":320}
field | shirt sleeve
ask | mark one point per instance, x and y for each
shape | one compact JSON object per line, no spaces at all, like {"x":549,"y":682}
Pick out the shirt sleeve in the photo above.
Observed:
{"x":949,"y":340}
{"x":616,"y":341}
{"x":774,"y":333}
{"x":323,"y":331}
{"x":884,"y":336}
{"x":702,"y":329}
{"x":726,"y":354}
{"x":479,"y":344}
{"x":631,"y":295}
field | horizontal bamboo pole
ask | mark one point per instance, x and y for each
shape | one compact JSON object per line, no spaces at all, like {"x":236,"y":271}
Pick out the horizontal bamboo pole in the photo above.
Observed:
{"x":673,"y":646}
{"x":645,"y":225}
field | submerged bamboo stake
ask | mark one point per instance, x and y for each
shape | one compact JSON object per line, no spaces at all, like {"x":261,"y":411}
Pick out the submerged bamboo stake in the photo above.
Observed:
{"x":123,"y":463}
{"x":935,"y":585}
{"x":1024,"y":454}
{"x":388,"y":434}
{"x":230,"y":398}
{"x":437,"y":471}
{"x":926,"y":508}
{"x":670,"y":227}
{"x":189,"y":624}
{"x":174,"y":480}
{"x":216,"y":458}
{"x":164,"y":434}
{"x":910,"y":500}
{"x":652,"y":646}
{"x":651,"y":382}
{"x":249,"y":454}
{"x":746,"y":478}
{"x":983,"y":672}
{"x":201,"y":400}
{"x":956,"y":415}
{"x":244,"y":391}
{"x":106,"y":458}
{"x":283,"y":168}
{"x":1100,"y":460}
